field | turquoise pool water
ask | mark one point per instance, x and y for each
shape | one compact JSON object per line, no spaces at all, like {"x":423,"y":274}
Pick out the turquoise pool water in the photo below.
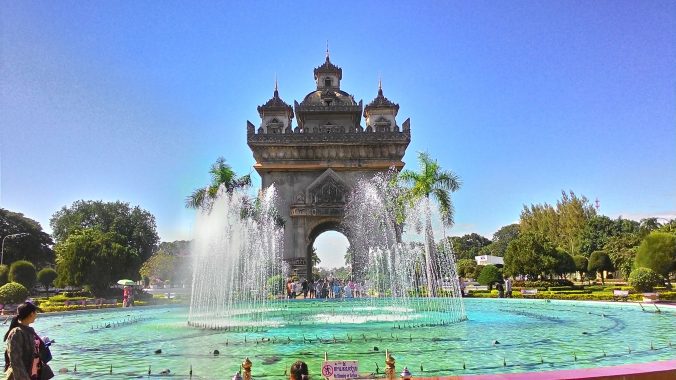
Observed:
{"x":533,"y":335}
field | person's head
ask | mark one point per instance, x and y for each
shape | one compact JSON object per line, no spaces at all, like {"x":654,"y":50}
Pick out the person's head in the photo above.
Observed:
{"x":25,"y":315}
{"x":298,"y":371}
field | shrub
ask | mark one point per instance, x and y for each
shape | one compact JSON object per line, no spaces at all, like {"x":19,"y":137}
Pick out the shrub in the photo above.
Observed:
{"x":544,"y":284}
{"x":46,"y":277}
{"x":560,"y":288}
{"x":489,"y":275}
{"x":13,"y":293}
{"x":23,"y":272}
{"x":644,"y":279}
{"x":4,"y":274}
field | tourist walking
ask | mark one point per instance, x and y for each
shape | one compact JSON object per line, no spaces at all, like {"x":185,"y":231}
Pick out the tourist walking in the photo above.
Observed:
{"x":26,"y":355}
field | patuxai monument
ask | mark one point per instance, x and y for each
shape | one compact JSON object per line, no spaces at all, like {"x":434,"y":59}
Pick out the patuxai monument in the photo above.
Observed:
{"x":316,"y":162}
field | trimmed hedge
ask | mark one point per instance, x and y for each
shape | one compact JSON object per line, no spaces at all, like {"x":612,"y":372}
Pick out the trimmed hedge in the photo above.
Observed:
{"x":644,"y":279}
{"x":13,"y":292}
{"x":24,"y":273}
{"x":542,"y":283}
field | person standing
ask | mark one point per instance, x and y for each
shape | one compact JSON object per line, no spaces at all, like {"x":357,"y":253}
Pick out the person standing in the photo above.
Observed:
{"x":289,"y":288}
{"x":508,"y":287}
{"x":304,"y":286}
{"x":500,"y":288}
{"x":25,"y":350}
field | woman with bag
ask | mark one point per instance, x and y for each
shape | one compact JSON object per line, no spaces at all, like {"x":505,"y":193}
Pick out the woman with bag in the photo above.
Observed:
{"x":25,"y":350}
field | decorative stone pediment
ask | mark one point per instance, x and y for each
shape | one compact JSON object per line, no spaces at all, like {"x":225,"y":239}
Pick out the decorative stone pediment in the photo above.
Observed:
{"x":327,"y":189}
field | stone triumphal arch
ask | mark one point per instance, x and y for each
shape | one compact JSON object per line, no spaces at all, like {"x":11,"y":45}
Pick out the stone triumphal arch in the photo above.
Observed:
{"x":315,"y":164}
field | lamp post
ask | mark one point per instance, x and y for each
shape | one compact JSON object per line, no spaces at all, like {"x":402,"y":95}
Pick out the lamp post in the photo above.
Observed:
{"x":2,"y":250}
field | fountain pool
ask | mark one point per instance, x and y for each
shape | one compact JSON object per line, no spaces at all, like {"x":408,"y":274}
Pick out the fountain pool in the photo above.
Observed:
{"x":533,"y":335}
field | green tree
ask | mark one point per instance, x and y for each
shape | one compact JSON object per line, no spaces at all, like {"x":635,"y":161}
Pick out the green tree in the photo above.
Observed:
{"x":94,"y":259}
{"x":23,"y":272}
{"x":46,"y":277}
{"x":564,"y":263}
{"x":131,"y":228}
{"x":467,"y":246}
{"x":175,"y":248}
{"x":432,"y":183}
{"x":221,"y":174}
{"x":581,"y":265}
{"x":490,"y":274}
{"x":160,"y":266}
{"x":562,"y":225}
{"x":34,"y":247}
{"x":466,"y":268}
{"x":669,"y":227}
{"x":501,"y":239}
{"x":657,"y":252}
{"x":599,"y":262}
{"x":645,"y":279}
{"x":622,"y":251}
{"x":529,"y":255}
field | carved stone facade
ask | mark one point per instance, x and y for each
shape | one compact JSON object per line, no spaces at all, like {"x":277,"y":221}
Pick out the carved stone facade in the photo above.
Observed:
{"x":315,"y":165}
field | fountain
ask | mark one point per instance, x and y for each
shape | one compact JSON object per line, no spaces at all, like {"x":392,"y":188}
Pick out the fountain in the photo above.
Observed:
{"x":238,"y":265}
{"x":237,"y":249}
{"x":235,"y":311}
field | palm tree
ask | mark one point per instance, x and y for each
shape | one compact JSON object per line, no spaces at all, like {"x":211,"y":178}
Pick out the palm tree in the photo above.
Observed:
{"x":221,"y":174}
{"x":432,"y":183}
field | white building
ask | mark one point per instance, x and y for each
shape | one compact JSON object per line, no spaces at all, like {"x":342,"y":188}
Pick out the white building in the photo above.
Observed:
{"x":488,"y":259}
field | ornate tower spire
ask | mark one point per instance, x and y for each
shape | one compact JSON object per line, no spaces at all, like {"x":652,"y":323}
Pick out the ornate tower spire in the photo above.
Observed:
{"x":275,"y":114}
{"x":380,"y":114}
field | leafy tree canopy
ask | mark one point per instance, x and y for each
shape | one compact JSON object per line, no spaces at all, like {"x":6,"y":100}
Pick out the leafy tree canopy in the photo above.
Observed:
{"x":530,"y":255}
{"x":23,"y":272}
{"x":466,"y":268}
{"x":562,"y":225}
{"x":564,"y":263}
{"x":622,"y":251}
{"x":467,"y":246}
{"x":489,"y":275}
{"x":657,"y":252}
{"x":94,"y":259}
{"x":46,"y":277}
{"x":130,"y":227}
{"x":160,"y":266}
{"x":599,"y":261}
{"x":501,"y":239}
{"x":600,"y":229}
{"x":581,"y":264}
{"x":175,"y":248}
{"x":34,"y":247}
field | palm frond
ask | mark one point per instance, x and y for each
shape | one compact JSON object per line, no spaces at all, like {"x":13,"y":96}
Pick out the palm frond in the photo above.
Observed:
{"x":446,"y":208}
{"x":221,"y":173}
{"x":196,"y":199}
{"x":449,"y":181}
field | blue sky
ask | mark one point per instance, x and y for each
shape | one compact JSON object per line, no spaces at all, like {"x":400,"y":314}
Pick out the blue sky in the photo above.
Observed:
{"x":134,"y":100}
